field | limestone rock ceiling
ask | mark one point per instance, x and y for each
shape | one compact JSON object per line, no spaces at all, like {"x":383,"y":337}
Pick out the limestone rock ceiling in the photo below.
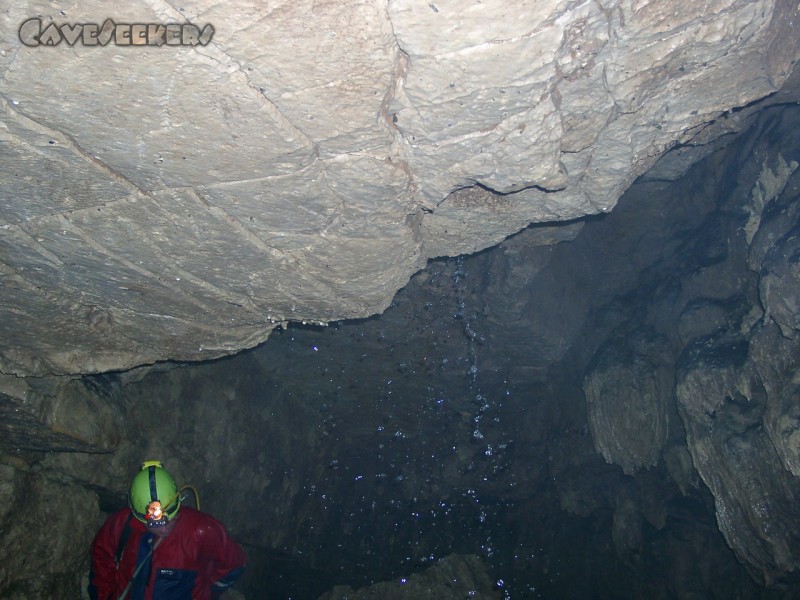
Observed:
{"x":178,"y":202}
{"x":478,"y":414}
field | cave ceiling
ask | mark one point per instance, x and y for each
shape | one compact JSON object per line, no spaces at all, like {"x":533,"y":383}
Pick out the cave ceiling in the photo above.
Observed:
{"x":177,"y":188}
{"x":384,"y":190}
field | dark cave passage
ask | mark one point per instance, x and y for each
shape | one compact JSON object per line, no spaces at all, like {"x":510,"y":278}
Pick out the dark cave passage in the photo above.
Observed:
{"x":569,"y":418}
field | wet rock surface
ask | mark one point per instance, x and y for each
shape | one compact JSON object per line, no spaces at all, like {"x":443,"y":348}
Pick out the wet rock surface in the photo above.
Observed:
{"x":305,"y":161}
{"x":452,"y":578}
{"x":603,"y":405}
{"x":614,"y":414}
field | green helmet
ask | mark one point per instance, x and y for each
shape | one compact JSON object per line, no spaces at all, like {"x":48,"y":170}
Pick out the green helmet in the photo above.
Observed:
{"x":154,"y":497}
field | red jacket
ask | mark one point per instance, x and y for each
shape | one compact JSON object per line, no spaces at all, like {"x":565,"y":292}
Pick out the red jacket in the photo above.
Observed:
{"x":198,"y":560}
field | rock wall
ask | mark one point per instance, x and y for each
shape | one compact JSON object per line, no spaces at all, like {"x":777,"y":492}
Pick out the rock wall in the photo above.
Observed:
{"x":715,"y":335}
{"x":452,"y":578}
{"x":631,"y":387}
{"x":303,"y":159}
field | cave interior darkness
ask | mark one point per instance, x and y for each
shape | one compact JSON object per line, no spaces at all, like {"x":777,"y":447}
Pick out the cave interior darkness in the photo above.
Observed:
{"x":457,"y":422}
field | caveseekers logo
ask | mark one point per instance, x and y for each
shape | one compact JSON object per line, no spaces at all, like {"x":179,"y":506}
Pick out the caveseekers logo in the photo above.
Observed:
{"x":31,"y":33}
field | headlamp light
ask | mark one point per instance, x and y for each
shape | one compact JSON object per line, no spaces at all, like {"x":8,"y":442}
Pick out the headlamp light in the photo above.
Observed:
{"x":155,"y":517}
{"x":154,"y":512}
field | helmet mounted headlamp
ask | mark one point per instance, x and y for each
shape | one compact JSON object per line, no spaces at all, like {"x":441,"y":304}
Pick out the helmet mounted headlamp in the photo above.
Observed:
{"x":154,"y":498}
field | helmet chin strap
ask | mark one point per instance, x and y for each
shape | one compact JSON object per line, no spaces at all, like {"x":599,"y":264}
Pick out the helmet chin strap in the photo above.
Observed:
{"x":163,"y":530}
